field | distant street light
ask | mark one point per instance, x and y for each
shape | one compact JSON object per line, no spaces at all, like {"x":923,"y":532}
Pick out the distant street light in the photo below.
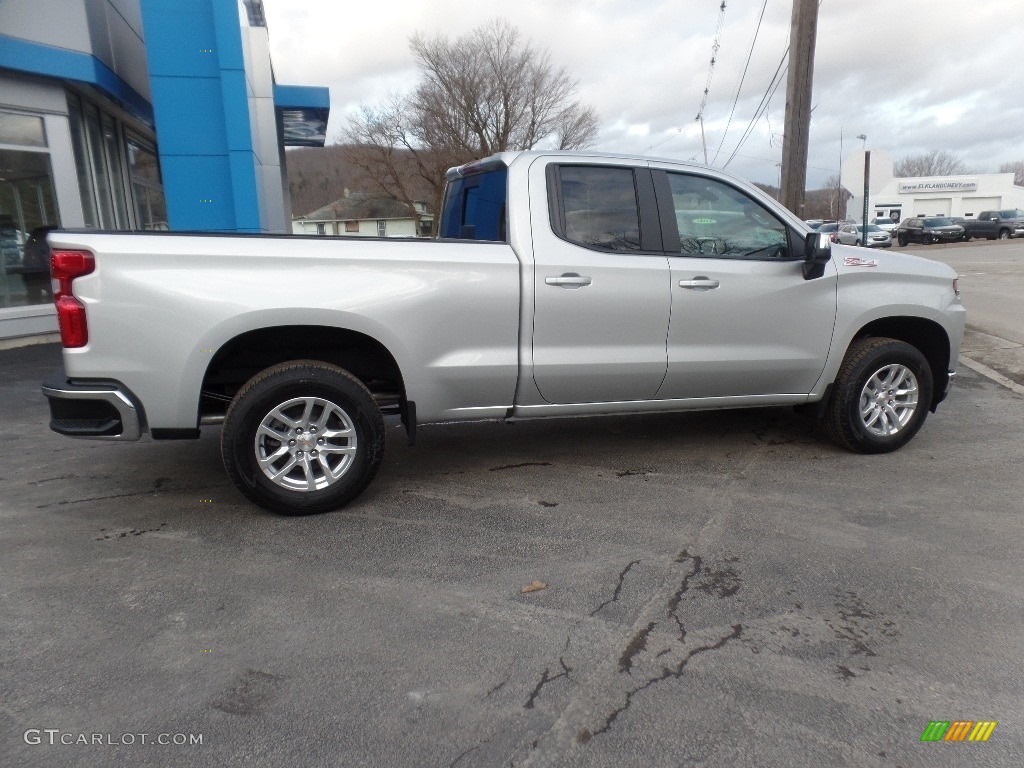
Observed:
{"x":863,"y":138}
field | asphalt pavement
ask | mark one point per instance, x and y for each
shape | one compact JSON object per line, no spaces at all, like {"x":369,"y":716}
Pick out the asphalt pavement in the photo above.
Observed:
{"x":719,"y":589}
{"x":991,"y":287}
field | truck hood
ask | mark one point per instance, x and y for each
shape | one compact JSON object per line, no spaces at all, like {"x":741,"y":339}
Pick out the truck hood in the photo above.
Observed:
{"x":851,"y":259}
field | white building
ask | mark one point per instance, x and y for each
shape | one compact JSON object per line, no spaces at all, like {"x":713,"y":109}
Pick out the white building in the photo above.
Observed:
{"x":368,"y":215}
{"x":965,"y":195}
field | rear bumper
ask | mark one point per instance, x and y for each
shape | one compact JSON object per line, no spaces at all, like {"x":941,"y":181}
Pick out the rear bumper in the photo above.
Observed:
{"x":98,"y":410}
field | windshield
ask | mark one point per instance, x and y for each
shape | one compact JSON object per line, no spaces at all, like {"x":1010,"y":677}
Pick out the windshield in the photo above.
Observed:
{"x":940,"y":222}
{"x":884,"y":221}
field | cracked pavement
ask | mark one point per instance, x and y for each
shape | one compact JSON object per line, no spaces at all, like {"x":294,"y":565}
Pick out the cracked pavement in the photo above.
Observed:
{"x":723,"y":590}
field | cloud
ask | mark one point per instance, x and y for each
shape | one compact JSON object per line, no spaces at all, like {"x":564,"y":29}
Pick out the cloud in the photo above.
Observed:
{"x":914,"y":75}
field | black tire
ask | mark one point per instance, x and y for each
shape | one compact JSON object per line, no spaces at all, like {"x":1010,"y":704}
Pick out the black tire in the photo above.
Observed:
{"x":927,"y":240}
{"x":1004,"y":234}
{"x":843,"y":423}
{"x":338,"y":395}
{"x":902,"y":240}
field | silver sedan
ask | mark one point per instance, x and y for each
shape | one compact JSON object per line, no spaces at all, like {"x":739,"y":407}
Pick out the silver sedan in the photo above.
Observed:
{"x":851,"y":234}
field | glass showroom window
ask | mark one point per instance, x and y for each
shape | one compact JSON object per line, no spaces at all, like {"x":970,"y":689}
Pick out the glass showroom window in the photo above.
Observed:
{"x":147,"y":189}
{"x":98,"y":160}
{"x":27,"y":203}
{"x":118,"y":171}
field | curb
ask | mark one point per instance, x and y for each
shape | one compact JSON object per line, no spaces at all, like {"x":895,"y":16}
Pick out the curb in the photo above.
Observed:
{"x":28,"y":341}
{"x":994,"y":375}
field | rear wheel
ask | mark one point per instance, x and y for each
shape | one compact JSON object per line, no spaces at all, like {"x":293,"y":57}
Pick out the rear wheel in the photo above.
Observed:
{"x":880,"y":397}
{"x":1004,"y":234}
{"x":302,"y":437}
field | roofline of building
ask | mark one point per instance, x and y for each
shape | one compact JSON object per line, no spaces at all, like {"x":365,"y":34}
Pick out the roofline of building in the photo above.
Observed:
{"x":39,"y":59}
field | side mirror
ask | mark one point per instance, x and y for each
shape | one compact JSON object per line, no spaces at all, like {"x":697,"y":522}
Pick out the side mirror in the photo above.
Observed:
{"x":817,"y":253}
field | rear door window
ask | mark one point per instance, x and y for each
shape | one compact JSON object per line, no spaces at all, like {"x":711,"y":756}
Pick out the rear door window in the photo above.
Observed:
{"x":474,"y":206}
{"x":597,"y":207}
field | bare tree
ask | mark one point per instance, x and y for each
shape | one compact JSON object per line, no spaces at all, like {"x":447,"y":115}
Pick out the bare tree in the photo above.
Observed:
{"x":1017,"y":169}
{"x":934,"y":163}
{"x":385,"y":151}
{"x":484,"y":92}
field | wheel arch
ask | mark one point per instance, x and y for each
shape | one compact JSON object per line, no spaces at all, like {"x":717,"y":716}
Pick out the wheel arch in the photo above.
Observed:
{"x":925,"y":335}
{"x":246,"y":354}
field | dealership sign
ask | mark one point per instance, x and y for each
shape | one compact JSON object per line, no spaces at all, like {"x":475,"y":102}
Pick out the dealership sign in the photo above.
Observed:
{"x":953,"y":185}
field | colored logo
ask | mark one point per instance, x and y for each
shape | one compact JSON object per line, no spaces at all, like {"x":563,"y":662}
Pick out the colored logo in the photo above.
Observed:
{"x":958,"y":730}
{"x":855,"y":261}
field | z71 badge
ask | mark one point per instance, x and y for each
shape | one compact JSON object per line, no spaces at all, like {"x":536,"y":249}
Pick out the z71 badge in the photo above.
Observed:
{"x":856,"y":261}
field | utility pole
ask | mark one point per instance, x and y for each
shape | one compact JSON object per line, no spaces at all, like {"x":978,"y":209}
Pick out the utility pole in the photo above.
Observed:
{"x":867,"y":191}
{"x":802,"y":36}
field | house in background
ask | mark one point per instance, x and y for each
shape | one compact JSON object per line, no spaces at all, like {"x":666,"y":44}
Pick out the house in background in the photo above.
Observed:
{"x":368,"y":215}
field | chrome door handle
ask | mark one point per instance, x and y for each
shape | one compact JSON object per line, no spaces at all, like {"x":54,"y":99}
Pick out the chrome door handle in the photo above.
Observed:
{"x":569,"y":280}
{"x":699,"y":283}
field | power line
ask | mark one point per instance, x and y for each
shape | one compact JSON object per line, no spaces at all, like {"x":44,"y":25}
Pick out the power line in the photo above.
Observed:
{"x":739,"y":87}
{"x":715,"y":45}
{"x":773,"y":86}
{"x":773,"y":160}
{"x":714,"y":55}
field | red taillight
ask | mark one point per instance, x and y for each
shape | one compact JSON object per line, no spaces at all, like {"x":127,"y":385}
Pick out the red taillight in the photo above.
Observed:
{"x":65,"y":266}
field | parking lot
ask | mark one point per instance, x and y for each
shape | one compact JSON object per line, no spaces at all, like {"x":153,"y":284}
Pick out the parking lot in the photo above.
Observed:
{"x":717,"y":589}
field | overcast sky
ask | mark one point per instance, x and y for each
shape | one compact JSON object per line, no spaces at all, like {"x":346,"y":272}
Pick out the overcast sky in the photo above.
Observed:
{"x":912,"y":75}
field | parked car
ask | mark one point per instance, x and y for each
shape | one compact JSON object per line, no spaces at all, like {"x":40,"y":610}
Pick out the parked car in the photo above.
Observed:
{"x":934,"y":229}
{"x":851,"y":234}
{"x":831,"y":229}
{"x":965,"y":223}
{"x":12,"y":242}
{"x":531,"y":303}
{"x":885,"y":223}
{"x":993,"y":225}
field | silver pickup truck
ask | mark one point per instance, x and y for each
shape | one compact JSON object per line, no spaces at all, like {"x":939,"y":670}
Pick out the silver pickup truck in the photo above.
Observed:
{"x":562,"y":284}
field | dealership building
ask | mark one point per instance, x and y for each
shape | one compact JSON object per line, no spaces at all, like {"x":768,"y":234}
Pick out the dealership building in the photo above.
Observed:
{"x":138,"y":115}
{"x":964,"y":195}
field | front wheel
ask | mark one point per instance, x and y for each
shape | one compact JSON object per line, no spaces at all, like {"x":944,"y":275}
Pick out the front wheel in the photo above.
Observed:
{"x":880,"y":397}
{"x":902,"y":240}
{"x":302,"y":437}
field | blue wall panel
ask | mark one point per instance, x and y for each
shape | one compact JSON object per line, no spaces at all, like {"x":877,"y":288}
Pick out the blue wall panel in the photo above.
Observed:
{"x":246,"y":198}
{"x":205,"y":132}
{"x":200,"y":98}
{"x":200,"y":187}
{"x":185,"y":45}
{"x":235,"y":92}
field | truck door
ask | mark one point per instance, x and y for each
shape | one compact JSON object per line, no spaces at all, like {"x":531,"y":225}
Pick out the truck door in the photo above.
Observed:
{"x":744,"y":320}
{"x":601,"y":283}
